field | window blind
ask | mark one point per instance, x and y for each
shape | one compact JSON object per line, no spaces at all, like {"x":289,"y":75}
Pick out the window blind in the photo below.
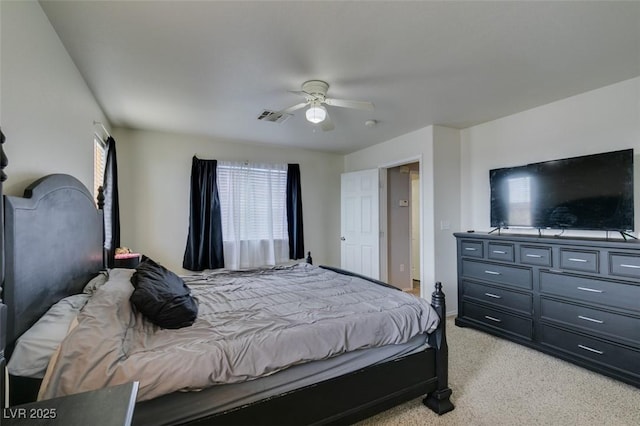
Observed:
{"x":99,"y":160}
{"x":253,"y":201}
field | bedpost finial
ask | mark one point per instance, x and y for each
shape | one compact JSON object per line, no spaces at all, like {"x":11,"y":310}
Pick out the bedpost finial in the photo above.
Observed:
{"x":3,"y":158}
{"x":437,"y":297}
{"x":100,"y":198}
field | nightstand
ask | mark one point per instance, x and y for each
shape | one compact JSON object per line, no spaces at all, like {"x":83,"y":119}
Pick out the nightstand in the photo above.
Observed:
{"x":112,"y":406}
{"x":127,"y":260}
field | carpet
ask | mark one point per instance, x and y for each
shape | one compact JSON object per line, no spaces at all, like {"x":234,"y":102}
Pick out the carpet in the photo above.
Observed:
{"x":497,"y":382}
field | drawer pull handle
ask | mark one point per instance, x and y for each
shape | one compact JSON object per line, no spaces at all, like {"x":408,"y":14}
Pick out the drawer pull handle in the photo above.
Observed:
{"x":492,"y":318}
{"x":470,"y":248}
{"x":625,"y":265}
{"x":591,"y":319}
{"x":575,"y":259}
{"x":500,"y":252}
{"x":537,"y":256}
{"x":587,"y":348}
{"x":492,"y":272}
{"x":592,"y":290}
{"x":495,"y":296}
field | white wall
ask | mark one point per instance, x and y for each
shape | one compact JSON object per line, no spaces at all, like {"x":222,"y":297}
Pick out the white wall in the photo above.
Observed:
{"x":46,"y":108}
{"x":154,"y":172}
{"x":423,"y":144}
{"x":601,"y":120}
{"x":446,"y":205}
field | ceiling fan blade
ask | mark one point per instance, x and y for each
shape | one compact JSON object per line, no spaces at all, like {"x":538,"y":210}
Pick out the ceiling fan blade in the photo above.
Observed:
{"x":367,"y":106}
{"x":326,"y":124}
{"x":294,"y":108}
{"x":307,"y":96}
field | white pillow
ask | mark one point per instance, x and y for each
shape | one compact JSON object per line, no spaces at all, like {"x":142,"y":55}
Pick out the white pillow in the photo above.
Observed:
{"x":36,"y":346}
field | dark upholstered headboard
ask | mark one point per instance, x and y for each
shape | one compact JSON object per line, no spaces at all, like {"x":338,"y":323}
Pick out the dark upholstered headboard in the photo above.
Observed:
{"x":53,"y":246}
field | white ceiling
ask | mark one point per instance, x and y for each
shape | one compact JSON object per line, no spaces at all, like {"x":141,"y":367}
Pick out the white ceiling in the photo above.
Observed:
{"x":211,"y":67}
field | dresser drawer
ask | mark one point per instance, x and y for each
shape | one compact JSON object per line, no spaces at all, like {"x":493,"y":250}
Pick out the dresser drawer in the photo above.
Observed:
{"x":608,"y":324}
{"x":600,"y":292}
{"x":472,"y":248}
{"x":624,"y":265}
{"x":501,"y":274}
{"x":606,"y":354}
{"x":499,"y":251}
{"x":533,"y":255}
{"x":512,"y":324}
{"x":579,"y":260}
{"x":498,"y":297}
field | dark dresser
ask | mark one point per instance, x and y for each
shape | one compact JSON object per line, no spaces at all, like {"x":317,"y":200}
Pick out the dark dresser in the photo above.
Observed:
{"x":577,"y":299}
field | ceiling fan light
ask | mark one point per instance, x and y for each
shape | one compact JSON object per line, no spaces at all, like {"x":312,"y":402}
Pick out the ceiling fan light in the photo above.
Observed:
{"x":316,"y":113}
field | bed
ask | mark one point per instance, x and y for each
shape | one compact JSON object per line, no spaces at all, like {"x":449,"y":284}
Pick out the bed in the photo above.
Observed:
{"x":53,"y":248}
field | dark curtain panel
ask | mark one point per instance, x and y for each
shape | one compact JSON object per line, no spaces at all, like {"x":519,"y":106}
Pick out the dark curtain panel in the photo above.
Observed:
{"x":204,"y":242}
{"x":294,"y":212}
{"x":111,"y":204}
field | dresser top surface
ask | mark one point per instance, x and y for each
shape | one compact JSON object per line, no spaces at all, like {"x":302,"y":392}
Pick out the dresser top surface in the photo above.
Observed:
{"x":617,"y":243}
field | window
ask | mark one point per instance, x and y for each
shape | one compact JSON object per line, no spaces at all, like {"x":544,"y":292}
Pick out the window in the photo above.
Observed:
{"x":99,"y":163}
{"x":253,"y":204}
{"x":520,"y":199}
{"x":239,"y":215}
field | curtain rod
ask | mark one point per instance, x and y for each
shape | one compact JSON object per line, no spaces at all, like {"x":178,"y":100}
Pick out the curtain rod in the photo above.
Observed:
{"x":96,"y":123}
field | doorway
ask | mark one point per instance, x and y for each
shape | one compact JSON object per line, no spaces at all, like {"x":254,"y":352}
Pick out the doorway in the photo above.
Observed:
{"x":403,"y":262}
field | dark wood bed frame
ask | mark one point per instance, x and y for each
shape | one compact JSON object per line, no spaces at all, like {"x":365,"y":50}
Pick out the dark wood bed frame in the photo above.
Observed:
{"x":53,"y":246}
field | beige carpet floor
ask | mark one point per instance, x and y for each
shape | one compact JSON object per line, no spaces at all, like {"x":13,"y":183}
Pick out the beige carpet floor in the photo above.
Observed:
{"x":497,"y":382}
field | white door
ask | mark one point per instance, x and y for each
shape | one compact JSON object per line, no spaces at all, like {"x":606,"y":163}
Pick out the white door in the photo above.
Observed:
{"x":360,"y":239}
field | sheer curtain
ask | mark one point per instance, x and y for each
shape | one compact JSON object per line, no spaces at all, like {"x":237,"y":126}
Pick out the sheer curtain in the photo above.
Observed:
{"x":253,"y":206}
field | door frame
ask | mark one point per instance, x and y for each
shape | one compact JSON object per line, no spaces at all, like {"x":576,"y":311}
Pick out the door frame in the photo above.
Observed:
{"x":383,"y":217}
{"x":412,"y":224}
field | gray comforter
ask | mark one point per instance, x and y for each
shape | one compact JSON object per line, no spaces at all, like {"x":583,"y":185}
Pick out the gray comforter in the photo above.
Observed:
{"x":250,"y":324}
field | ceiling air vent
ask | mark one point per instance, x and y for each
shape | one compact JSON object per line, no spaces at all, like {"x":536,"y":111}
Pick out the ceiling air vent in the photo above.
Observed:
{"x":274,"y":117}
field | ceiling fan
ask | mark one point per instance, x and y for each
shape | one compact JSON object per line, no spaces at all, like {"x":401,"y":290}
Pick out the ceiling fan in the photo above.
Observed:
{"x":315,"y":94}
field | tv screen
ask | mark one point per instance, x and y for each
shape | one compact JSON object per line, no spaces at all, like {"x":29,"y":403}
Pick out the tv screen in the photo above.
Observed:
{"x":592,"y":192}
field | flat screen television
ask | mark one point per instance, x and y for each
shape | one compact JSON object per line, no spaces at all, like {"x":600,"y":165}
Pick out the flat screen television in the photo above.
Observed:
{"x":591,"y":192}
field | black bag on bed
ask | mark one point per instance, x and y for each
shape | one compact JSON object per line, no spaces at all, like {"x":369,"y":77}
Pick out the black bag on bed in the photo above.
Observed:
{"x":162,"y":296}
